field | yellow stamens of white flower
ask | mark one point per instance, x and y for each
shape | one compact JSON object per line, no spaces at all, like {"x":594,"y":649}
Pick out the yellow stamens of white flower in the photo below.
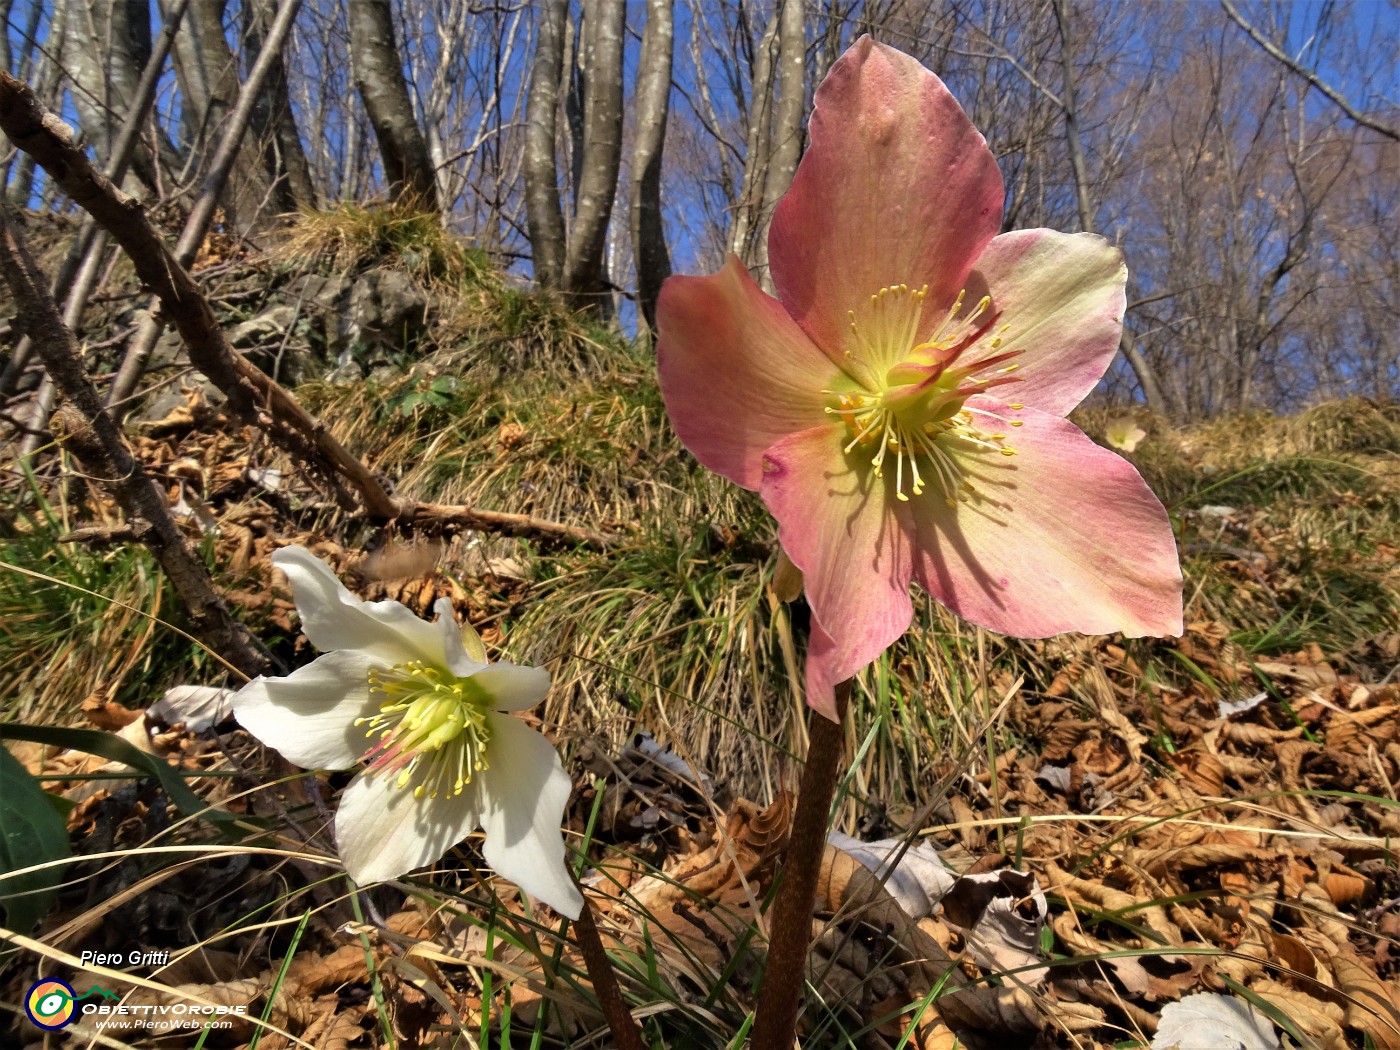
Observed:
{"x":914,"y":412}
{"x":432,"y":728}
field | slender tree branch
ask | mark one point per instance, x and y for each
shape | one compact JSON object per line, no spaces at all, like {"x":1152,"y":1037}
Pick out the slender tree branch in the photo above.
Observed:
{"x":1280,"y":56}
{"x":1069,"y":106}
{"x":96,"y":440}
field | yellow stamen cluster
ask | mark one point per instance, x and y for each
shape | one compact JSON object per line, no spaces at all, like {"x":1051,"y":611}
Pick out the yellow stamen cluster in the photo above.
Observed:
{"x":432,"y":728}
{"x":892,"y":325}
{"x":915,"y":411}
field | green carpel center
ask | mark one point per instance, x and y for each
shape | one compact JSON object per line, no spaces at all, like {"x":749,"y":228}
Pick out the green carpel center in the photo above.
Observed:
{"x":431,"y":730}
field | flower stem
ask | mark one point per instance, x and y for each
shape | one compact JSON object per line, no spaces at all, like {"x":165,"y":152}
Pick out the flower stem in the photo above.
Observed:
{"x":626,"y":1035}
{"x":775,"y":1021}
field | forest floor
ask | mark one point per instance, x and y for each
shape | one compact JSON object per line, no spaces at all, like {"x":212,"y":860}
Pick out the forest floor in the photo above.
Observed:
{"x":1209,"y":814}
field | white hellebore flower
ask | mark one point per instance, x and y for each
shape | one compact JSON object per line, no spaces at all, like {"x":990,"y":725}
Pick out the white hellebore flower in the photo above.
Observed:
{"x":417,"y":705}
{"x":1124,"y":434}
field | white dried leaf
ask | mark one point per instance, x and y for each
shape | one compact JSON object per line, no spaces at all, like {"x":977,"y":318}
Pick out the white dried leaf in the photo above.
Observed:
{"x":1229,"y":708}
{"x":919,"y":880}
{"x":1001,"y":914}
{"x":508,"y":568}
{"x":198,"y":706}
{"x":644,"y":745}
{"x":1056,"y":777}
{"x":1210,"y":1021}
{"x":268,"y":478}
{"x":1216,"y":510}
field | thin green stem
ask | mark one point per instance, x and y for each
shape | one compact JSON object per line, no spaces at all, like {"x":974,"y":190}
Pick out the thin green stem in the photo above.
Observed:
{"x":775,"y":1017}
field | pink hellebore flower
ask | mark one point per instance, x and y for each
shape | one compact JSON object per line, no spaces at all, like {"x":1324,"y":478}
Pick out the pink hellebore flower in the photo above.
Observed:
{"x":900,"y":410}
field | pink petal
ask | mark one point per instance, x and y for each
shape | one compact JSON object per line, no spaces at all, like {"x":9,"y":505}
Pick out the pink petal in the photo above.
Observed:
{"x":1063,"y":297}
{"x":736,"y":373}
{"x":827,"y":667}
{"x":836,"y":525}
{"x":896,"y":186}
{"x":1065,"y":537}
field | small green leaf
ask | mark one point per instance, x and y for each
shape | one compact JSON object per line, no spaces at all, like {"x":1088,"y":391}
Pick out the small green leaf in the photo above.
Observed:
{"x":31,"y":832}
{"x":115,"y":749}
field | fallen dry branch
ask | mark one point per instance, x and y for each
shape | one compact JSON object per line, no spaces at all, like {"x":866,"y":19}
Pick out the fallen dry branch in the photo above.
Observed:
{"x":252,"y":395}
{"x":107,"y":535}
{"x":549,"y":533}
{"x":96,"y":440}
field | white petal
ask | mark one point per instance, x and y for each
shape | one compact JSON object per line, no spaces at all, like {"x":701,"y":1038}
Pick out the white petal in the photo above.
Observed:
{"x":309,"y":716}
{"x":333,"y":618}
{"x":523,"y":795}
{"x":512,"y":687}
{"x":465,"y":655}
{"x":383,"y":832}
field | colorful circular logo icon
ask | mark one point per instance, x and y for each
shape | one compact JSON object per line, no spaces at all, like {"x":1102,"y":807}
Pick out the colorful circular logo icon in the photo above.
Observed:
{"x":49,"y":1004}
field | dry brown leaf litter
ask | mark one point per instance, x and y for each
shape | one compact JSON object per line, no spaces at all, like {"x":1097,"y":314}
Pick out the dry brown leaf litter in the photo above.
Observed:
{"x":1206,"y":848}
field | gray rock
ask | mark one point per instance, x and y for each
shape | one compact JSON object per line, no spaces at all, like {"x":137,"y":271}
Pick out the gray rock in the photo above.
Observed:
{"x":388,"y":312}
{"x":363,"y":320}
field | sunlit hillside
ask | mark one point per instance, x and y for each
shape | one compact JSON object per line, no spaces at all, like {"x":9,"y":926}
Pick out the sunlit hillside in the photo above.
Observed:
{"x":1193,"y":807}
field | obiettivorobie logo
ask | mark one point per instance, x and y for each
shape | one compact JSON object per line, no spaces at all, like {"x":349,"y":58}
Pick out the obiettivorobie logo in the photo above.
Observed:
{"x":52,"y":1004}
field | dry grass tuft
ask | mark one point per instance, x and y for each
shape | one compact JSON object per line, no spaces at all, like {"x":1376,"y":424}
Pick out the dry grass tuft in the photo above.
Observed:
{"x":1356,"y":425}
{"x":352,"y":236}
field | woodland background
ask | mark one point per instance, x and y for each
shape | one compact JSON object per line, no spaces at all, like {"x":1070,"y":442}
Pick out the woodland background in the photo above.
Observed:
{"x":1243,"y":155}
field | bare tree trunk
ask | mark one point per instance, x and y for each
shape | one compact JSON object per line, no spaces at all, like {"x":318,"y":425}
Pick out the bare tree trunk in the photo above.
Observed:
{"x":379,"y":76}
{"x":274,"y":124}
{"x":572,"y":85}
{"x":602,"y":150}
{"x":208,"y":76}
{"x":47,"y":70}
{"x":6,"y":61}
{"x":653,"y":94}
{"x":785,"y":141}
{"x":202,"y":214}
{"x":748,"y":209}
{"x":1146,"y":375}
{"x":543,"y":214}
{"x":105,"y":46}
